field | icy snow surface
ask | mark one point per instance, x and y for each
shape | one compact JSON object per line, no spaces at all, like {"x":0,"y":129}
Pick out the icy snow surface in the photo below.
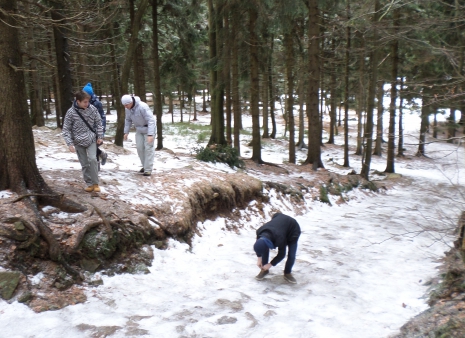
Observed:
{"x":361,"y":266}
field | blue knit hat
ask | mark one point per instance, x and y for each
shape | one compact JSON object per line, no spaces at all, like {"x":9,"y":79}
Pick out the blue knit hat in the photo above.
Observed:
{"x":88,"y":89}
{"x":260,"y":247}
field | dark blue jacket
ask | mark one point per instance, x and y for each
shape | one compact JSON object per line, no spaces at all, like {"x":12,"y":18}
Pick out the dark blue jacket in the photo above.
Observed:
{"x":282,"y":230}
{"x":97,"y":104}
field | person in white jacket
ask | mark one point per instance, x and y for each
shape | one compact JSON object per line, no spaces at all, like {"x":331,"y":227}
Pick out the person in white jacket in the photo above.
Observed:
{"x":140,"y":115}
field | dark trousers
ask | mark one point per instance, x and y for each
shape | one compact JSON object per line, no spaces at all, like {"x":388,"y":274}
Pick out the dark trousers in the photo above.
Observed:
{"x":98,"y":152}
{"x":291,"y":253}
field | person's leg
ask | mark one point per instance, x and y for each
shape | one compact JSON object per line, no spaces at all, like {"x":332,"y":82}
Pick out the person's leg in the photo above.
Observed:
{"x":140,"y":144}
{"x":84,"y":160}
{"x":149,"y":154}
{"x":93,"y":164}
{"x":291,"y":254}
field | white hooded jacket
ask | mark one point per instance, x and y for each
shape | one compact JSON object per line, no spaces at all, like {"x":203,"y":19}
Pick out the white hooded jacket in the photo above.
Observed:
{"x":142,"y":117}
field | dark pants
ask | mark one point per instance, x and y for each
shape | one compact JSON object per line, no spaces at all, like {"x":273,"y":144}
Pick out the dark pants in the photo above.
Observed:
{"x":98,"y":152}
{"x":291,"y":253}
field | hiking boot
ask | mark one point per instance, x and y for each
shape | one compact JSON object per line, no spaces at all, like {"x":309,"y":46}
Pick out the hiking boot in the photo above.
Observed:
{"x":90,"y":188}
{"x":103,"y":156}
{"x":290,"y":278}
{"x":147,"y":173}
{"x":96,"y":188}
{"x":141,"y":171}
{"x":262,"y":274}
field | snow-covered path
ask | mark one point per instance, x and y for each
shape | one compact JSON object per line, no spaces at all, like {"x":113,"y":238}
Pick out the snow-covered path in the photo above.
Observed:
{"x":348,"y":286}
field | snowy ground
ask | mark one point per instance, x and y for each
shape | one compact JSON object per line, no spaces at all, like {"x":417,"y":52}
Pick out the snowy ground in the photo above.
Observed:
{"x":361,"y":266}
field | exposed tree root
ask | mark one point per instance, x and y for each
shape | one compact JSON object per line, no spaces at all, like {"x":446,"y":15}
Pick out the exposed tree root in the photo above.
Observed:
{"x":38,"y":195}
{"x":105,"y":222}
{"x":80,"y":235}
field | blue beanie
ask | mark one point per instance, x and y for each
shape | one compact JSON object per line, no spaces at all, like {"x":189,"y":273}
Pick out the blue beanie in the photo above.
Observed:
{"x":260,"y":247}
{"x":88,"y":89}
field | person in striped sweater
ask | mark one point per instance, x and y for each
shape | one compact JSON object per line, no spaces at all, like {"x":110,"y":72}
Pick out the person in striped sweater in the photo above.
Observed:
{"x":82,"y":131}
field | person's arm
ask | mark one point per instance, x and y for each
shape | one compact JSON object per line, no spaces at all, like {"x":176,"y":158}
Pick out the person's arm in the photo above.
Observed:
{"x":127,"y":124}
{"x":279,"y":257}
{"x":101,"y":112}
{"x":99,"y":128}
{"x":151,"y":122}
{"x":66,"y":131}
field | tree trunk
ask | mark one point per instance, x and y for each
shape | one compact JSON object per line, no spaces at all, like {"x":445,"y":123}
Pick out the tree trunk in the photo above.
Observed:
{"x":227,"y":74}
{"x":346,"y":92}
{"x":290,"y":93}
{"x":314,"y":144}
{"x":301,"y":144}
{"x":65,"y":82}
{"x":270,"y":89}
{"x":254,"y":85}
{"x":170,"y":107}
{"x":235,"y":81}
{"x":379,"y":120}
{"x":204,"y":103}
{"x":451,"y":125}
{"x":425,"y":111}
{"x":120,"y":112}
{"x":36,"y":98}
{"x":156,"y":76}
{"x":139,"y":79}
{"x":371,"y":96}
{"x":390,"y":168}
{"x":333,"y":100}
{"x":217,"y":87}
{"x":130,"y":53}
{"x":266,"y":132}
{"x":435,"y":123}
{"x":361,"y":95}
{"x":400,"y":151}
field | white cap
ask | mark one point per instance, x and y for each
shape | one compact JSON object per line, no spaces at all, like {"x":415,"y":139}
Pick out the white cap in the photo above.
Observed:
{"x":126,"y":99}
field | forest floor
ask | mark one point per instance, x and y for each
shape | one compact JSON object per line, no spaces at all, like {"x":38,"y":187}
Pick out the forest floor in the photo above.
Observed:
{"x":363,"y":262}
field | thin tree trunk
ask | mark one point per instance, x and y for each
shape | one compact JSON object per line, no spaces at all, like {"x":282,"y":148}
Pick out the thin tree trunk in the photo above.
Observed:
{"x":254,"y":85}
{"x":333,"y":100}
{"x":158,"y":104}
{"x":65,"y":89}
{"x":290,"y":93}
{"x":120,"y":113}
{"x":235,"y":81}
{"x":204,"y":103}
{"x":301,"y":144}
{"x":227,"y":75}
{"x":266,"y":132}
{"x":435,"y":123}
{"x":379,"y":120}
{"x":371,"y":96}
{"x":451,"y":125}
{"x":425,"y":111}
{"x":390,"y":165}
{"x":400,"y":151}
{"x":170,"y":107}
{"x":346,"y":92}
{"x":361,"y":94}
{"x":314,"y":144}
{"x":270,"y":89}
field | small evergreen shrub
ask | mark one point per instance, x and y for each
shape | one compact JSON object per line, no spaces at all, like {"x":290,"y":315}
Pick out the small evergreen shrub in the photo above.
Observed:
{"x":219,"y":153}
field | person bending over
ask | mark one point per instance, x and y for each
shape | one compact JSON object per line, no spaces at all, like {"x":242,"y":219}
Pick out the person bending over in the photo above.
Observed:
{"x":281,"y":232}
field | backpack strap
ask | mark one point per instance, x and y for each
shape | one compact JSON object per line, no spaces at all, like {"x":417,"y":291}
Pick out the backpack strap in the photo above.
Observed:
{"x":87,"y":124}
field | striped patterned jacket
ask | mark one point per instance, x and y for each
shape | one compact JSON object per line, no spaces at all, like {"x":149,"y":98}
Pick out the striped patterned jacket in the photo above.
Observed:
{"x":76,"y":132}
